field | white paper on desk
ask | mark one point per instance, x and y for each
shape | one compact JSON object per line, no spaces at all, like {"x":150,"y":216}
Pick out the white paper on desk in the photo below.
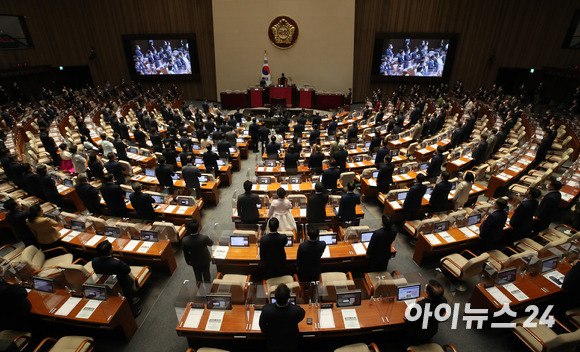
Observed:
{"x":424,"y":151}
{"x":145,"y":247}
{"x":566,"y":197}
{"x":254,"y":187}
{"x":295,"y":187}
{"x":503,"y":177}
{"x":68,"y":306}
{"x":302,"y":212}
{"x":350,"y":165}
{"x":359,"y":249}
{"x":256,"y":320}
{"x":475,"y":188}
{"x":432,"y":239}
{"x":474,"y":228}
{"x":131,"y":245}
{"x":427,"y":196}
{"x":350,"y":319}
{"x":397,"y":158}
{"x":498,"y":295}
{"x":285,"y":186}
{"x":221,"y":252}
{"x":556,"y":277}
{"x":70,"y":236}
{"x":181,"y":210}
{"x":458,"y":162}
{"x":263,"y":187}
{"x":269,"y":169}
{"x":61,"y":188}
{"x":170,"y":209}
{"x":326,"y":319}
{"x":94,"y":240}
{"x":516,"y":292}
{"x":214,"y":321}
{"x":110,"y":239}
{"x":395,"y":204}
{"x":398,"y":178}
{"x":88,"y":309}
{"x":406,"y":177}
{"x":467,"y":232}
{"x":326,"y":253}
{"x":64,"y":231}
{"x":193,"y":318}
{"x":360,"y":164}
{"x":447,"y":237}
{"x":372,"y":183}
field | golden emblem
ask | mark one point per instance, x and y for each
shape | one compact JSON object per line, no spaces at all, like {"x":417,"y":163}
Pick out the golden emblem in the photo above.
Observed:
{"x":283,"y":32}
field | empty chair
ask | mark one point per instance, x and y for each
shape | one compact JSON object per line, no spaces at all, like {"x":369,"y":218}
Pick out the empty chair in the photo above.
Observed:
{"x":352,"y":233}
{"x":574,"y":316}
{"x":297,"y":199}
{"x":499,"y":260}
{"x":560,"y":146}
{"x":234,"y":284}
{"x":358,"y":347}
{"x":383,"y":283}
{"x":539,"y":243}
{"x":431,"y":347}
{"x":414,"y":227}
{"x":67,"y":344}
{"x":462,"y":268}
{"x":333,"y":282}
{"x":542,"y":338}
{"x":37,"y":259}
{"x":252,"y":235}
{"x":129,"y":169}
{"x":368,"y":173}
{"x":169,"y":230}
{"x":98,"y":224}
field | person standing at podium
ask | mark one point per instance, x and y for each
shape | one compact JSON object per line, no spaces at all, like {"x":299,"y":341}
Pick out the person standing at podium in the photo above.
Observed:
{"x":283,"y":81}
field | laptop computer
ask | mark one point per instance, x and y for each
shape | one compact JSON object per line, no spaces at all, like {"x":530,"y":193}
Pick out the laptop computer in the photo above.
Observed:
{"x":151,"y":236}
{"x":365,"y":237}
{"x":98,"y":292}
{"x":506,"y":276}
{"x":219,"y":301}
{"x":150,"y":172}
{"x":185,"y":201}
{"x":239,"y":241}
{"x":348,"y":299}
{"x":402,"y":195}
{"x":264,"y":180}
{"x":291,"y":299}
{"x":441,"y":226}
{"x":329,"y":239}
{"x":43,"y":284}
{"x":408,"y":292}
{"x":295,"y":180}
{"x":549,"y":264}
{"x":68,"y":182}
{"x":77,"y":225}
{"x":473,"y":219}
{"x":112,"y":231}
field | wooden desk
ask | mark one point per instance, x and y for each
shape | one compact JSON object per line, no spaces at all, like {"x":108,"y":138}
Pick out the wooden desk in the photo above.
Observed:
{"x":510,"y":174}
{"x":301,"y":218}
{"x":209,"y":190}
{"x":453,"y":167}
{"x":71,"y":195}
{"x":426,"y":153}
{"x":112,"y":314}
{"x":160,"y":253}
{"x":399,"y":143}
{"x":424,"y":248}
{"x":143,"y":161}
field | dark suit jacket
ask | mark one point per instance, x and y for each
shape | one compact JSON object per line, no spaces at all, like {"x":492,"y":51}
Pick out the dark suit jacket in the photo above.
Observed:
{"x":478,"y":154}
{"x":491,"y":228}
{"x":385,"y":177}
{"x":291,"y":160}
{"x":434,"y":168}
{"x":272,"y":251}
{"x":17,"y":218}
{"x":383,"y":151}
{"x":49,"y":189}
{"x":521,"y":220}
{"x":210,"y":161}
{"x":247,"y":207}
{"x":272,"y":148}
{"x":33,"y":185}
{"x":114,"y":266}
{"x":315,"y":162}
{"x":90,"y":197}
{"x":548,"y":207}
{"x":413,"y":201}
{"x":163,"y":174}
{"x":116,"y":169}
{"x":170,"y":156}
{"x":440,"y":196}
{"x":347,"y":207}
{"x":143,"y":205}
{"x":308,"y":260}
{"x":195,"y":250}
{"x":191,"y":176}
{"x":332,"y":127}
{"x":340,"y":157}
{"x":121,"y":149}
{"x":329,"y":177}
{"x":316,"y":208}
{"x":96,"y":169}
{"x":114,"y":197}
{"x":280,"y":324}
{"x":14,"y":304}
{"x":379,"y":248}
{"x":314,"y":135}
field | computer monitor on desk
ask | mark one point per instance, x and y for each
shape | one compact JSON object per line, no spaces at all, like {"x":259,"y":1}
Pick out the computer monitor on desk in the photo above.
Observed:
{"x":403,"y":170}
{"x":375,"y":174}
{"x":295,"y":180}
{"x":219,"y":301}
{"x":77,"y":225}
{"x":394,"y":152}
{"x":423,"y":166}
{"x":158,"y":199}
{"x":357,"y":158}
{"x":348,"y":299}
{"x":270,"y":163}
{"x":196,"y":147}
{"x":402,"y":195}
{"x":98,"y":292}
{"x":112,"y":231}
{"x":264,"y":180}
{"x":441,"y":226}
{"x":133,"y":150}
{"x":473,"y":219}
{"x":239,"y":241}
{"x":291,"y":299}
{"x":506,"y":276}
{"x":329,"y":239}
{"x":198,"y":161}
{"x":68,"y":182}
{"x":185,"y":201}
{"x":151,"y":236}
{"x":150,"y":172}
{"x":549,"y":264}
{"x":290,"y":241}
{"x":408,"y":292}
{"x":365,"y":237}
{"x":43,"y":284}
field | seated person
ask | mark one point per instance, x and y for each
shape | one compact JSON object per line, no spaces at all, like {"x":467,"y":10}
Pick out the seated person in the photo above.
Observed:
{"x":434,"y":298}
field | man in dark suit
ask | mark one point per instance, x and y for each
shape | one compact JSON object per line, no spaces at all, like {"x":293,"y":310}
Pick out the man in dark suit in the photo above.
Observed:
{"x":191,"y":175}
{"x":456,"y":135}
{"x":479,"y":151}
{"x":247,"y":205}
{"x":210,"y":161}
{"x":164,"y":173}
{"x":170,"y":154}
{"x":50,"y":147}
{"x":308,"y":256}
{"x":17,"y":219}
{"x":544,"y":146}
{"x":196,"y":252}
{"x":140,"y":137}
{"x":120,"y":147}
{"x":348,"y":203}
{"x":88,"y":194}
{"x":314,"y":134}
{"x":351,"y":135}
{"x":105,"y":264}
{"x":379,"y":248}
{"x":491,"y":229}
{"x":283,"y":81}
{"x":316,"y":206}
{"x":330,"y":176}
{"x":385,"y":176}
{"x":570,"y":289}
{"x":383,"y":151}
{"x":440,"y":195}
{"x":49,"y":189}
{"x":272,"y":253}
{"x":414,"y":116}
{"x":142,"y":203}
{"x":114,"y":197}
{"x":522,"y":218}
{"x":434,"y":169}
{"x":115,"y":168}
{"x":315,"y":160}
{"x":16,"y":309}
{"x":332,"y":126}
{"x":500,"y":139}
{"x":273,"y":148}
{"x":223,"y":148}
{"x":415,"y":329}
{"x":254,"y":131}
{"x":414,"y":198}
{"x":32,"y":182}
{"x":279,"y":321}
{"x":264,"y":133}
{"x":548,"y":207}
{"x":340,"y":157}
{"x":291,"y":158}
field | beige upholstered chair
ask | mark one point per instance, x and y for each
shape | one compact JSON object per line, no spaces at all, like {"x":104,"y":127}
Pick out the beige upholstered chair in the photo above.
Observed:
{"x":358,"y":347}
{"x":352,"y":233}
{"x":383,"y":283}
{"x":346,"y":178}
{"x":499,"y":260}
{"x":231,"y":283}
{"x":526,"y":244}
{"x":414,"y":227}
{"x":291,"y":281}
{"x":20,"y":339}
{"x":462,"y":268}
{"x":37,"y":259}
{"x":333,"y":282}
{"x":67,"y":344}
{"x":431,"y":347}
{"x":574,"y":316}
{"x":542,"y":338}
{"x":169,"y":230}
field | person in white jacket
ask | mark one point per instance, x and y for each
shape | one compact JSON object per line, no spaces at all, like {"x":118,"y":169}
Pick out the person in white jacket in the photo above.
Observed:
{"x":281,"y":209}
{"x":462,"y":191}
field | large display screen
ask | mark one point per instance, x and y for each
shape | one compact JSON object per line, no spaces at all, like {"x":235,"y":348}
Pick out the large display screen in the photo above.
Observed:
{"x":162,"y":56}
{"x":415,"y":56}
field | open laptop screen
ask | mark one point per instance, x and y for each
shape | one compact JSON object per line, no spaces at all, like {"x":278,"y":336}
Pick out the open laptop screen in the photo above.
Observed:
{"x":98,"y":292}
{"x":506,"y":276}
{"x":549,"y":264}
{"x":239,"y":241}
{"x":330,"y":238}
{"x":348,"y":299}
{"x":221,"y":301}
{"x":408,"y":292}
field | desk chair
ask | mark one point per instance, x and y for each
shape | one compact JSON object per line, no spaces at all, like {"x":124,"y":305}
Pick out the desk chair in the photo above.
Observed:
{"x":331,"y":281}
{"x":292,"y":282}
{"x":301,"y":198}
{"x":37,"y":259}
{"x":431,"y":347}
{"x":169,"y":230}
{"x":358,"y":347}
{"x":555,"y":157}
{"x":383,"y":283}
{"x":131,"y":230}
{"x":253,"y":235}
{"x":460,"y":268}
{"x":67,"y":344}
{"x":560,"y":146}
{"x":235,"y":284}
{"x":414,"y":227}
{"x":481,"y":208}
{"x":11,"y":251}
{"x":368,"y":173}
{"x":352,"y":233}
{"x":542,"y":338}
{"x":67,"y":217}
{"x":505,"y":258}
{"x":538,"y":243}
{"x":19,"y":338}
{"x":97,"y":224}
{"x":574,"y":316}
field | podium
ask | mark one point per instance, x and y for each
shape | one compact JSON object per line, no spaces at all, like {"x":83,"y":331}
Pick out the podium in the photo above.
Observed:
{"x":306,"y":97}
{"x":256,"y":97}
{"x":281,"y":93}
